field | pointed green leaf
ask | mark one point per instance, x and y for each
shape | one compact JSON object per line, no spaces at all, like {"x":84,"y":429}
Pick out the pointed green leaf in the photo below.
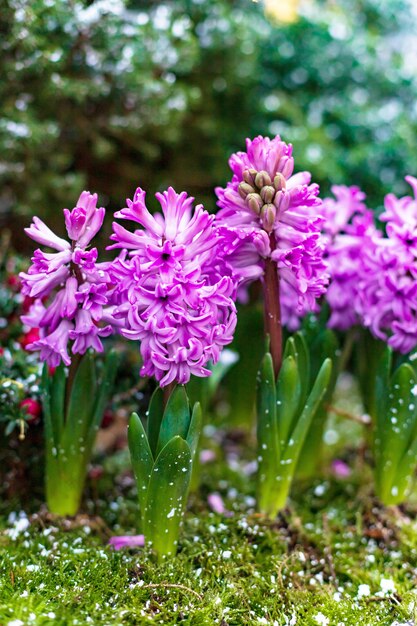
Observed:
{"x":267,"y":436}
{"x":46,"y":406}
{"x":290,"y":348}
{"x":176,"y":418}
{"x":298,"y":436}
{"x":302,"y":358}
{"x":322,"y":345}
{"x":288,"y":398}
{"x":141,"y":456}
{"x":396,"y":425}
{"x":154,"y":418}
{"x":80,"y":407}
{"x":57,"y":402}
{"x":194,"y":431}
{"x":403,"y":478}
{"x":103,"y":391}
{"x":167,"y":496}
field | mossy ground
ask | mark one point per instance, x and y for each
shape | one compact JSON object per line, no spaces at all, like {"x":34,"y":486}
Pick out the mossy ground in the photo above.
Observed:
{"x":334,"y":557}
{"x":303,"y":569}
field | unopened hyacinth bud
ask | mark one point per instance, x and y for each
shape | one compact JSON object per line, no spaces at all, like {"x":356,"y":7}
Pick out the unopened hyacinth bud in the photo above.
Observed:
{"x":267,"y":194}
{"x":254,"y":202}
{"x":245,"y":189}
{"x":262,"y":179}
{"x":280,"y":182}
{"x":268,"y":215}
{"x":249,"y":176}
{"x":281,"y":221}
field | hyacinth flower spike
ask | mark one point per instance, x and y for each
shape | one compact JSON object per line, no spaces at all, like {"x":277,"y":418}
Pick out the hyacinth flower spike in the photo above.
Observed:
{"x":270,"y":225}
{"x":171,"y":297}
{"x":72,"y":311}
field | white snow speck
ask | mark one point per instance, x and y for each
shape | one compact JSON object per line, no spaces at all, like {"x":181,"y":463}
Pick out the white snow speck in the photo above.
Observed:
{"x":387,"y":585}
{"x":363,"y":591}
{"x":226,"y":554}
{"x":322,"y":619}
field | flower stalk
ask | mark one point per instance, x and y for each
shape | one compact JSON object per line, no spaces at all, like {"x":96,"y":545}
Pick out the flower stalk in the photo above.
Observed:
{"x":272,"y":308}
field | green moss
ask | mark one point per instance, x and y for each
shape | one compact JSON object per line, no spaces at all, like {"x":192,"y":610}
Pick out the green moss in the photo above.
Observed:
{"x":301,"y":570}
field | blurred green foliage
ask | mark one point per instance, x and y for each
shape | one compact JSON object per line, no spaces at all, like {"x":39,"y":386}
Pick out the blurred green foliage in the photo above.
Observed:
{"x":107,"y":95}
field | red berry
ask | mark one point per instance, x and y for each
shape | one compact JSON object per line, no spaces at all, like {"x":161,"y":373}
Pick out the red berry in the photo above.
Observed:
{"x":32,"y":407}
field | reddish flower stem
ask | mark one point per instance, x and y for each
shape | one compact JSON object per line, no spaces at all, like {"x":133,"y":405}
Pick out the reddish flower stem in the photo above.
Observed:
{"x":272,"y":308}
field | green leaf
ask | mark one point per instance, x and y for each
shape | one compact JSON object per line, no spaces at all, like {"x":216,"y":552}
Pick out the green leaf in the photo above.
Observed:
{"x":382,"y":383}
{"x":155,"y":414}
{"x":57,"y":402}
{"x":80,"y":406}
{"x":298,"y":436}
{"x":141,"y":456}
{"x":267,"y":436}
{"x":46,"y":406}
{"x":402,"y":481}
{"x":104,"y":390}
{"x":176,"y":419}
{"x":194,"y":431}
{"x":323,"y":344}
{"x":288,"y":398}
{"x":167,"y":496}
{"x":396,"y":426}
{"x":302,"y":358}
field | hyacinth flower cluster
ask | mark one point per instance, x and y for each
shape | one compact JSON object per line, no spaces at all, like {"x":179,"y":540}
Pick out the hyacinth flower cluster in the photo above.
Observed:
{"x":270,"y":222}
{"x":170,"y":294}
{"x":270,"y":225}
{"x":71,"y":292}
{"x":349,"y":233}
{"x":69,"y":287}
{"x":389,"y":292}
{"x":373,"y":275}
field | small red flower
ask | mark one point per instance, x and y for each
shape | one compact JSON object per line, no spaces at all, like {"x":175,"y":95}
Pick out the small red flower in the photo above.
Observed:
{"x":13,"y":280}
{"x":29,"y":337}
{"x":33,"y":408}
